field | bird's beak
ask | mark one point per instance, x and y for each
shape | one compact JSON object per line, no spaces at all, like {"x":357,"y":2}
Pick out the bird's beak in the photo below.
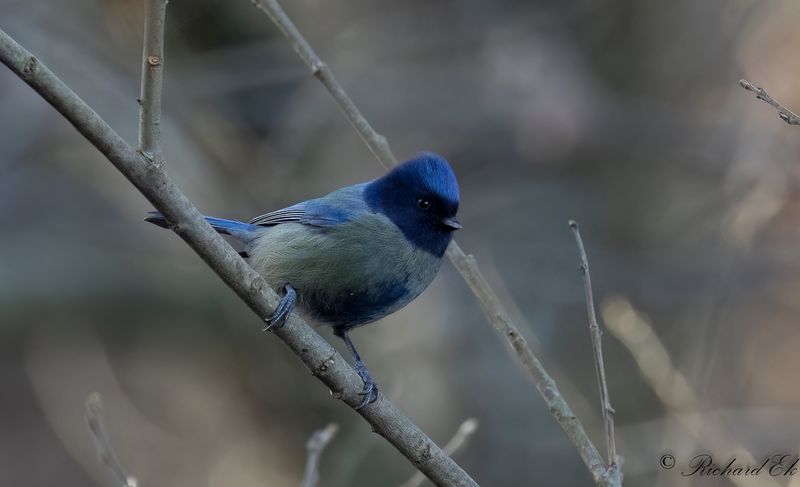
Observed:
{"x":451,"y":223}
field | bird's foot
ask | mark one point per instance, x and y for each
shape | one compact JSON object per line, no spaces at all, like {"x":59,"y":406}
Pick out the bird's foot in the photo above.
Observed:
{"x":284,"y":308}
{"x":370,"y":391}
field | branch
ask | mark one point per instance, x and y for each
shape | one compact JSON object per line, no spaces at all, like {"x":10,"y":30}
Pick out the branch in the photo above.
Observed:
{"x":152,"y":72}
{"x":556,"y":404}
{"x":495,"y":312}
{"x":149,"y":147}
{"x":786,"y":115}
{"x":152,"y":181}
{"x":376,"y":142}
{"x":456,"y":443}
{"x":102,"y":442}
{"x":594,"y":331}
{"x":315,"y":445}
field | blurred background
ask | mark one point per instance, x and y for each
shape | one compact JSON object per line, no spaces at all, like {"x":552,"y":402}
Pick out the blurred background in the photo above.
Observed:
{"x":623,"y":115}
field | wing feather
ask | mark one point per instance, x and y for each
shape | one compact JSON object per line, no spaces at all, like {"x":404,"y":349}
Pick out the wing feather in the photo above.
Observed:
{"x":293,"y":213}
{"x":338,"y":207}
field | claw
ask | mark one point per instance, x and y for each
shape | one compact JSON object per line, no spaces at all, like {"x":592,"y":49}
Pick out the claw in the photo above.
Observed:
{"x":283,"y":310}
{"x":370,"y":391}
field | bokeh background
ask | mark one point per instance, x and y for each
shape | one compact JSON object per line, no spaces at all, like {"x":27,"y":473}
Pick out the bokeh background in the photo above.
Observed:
{"x":624,"y":115}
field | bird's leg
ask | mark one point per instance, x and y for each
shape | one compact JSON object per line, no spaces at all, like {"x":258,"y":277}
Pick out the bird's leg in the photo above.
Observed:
{"x":370,"y":387}
{"x":284,"y":308}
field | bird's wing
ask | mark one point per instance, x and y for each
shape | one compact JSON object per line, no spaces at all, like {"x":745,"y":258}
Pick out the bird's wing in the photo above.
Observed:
{"x":293,"y":213}
{"x":338,"y":207}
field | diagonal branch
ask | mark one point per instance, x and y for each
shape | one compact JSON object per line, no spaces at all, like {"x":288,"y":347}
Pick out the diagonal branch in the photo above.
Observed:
{"x":376,"y":142}
{"x":456,"y":443}
{"x":152,"y":72}
{"x":786,"y":115}
{"x":594,"y":331}
{"x":556,"y":404}
{"x":152,"y":181}
{"x":496,"y":313}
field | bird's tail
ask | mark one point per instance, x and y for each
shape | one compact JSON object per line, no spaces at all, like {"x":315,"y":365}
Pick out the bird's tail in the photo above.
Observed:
{"x":243,"y":232}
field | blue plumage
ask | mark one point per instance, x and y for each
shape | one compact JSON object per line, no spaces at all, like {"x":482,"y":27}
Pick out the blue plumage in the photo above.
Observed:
{"x":357,"y":254}
{"x":426,"y":178}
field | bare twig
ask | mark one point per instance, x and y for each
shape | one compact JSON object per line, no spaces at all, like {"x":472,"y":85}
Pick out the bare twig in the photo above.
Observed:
{"x":150,"y":148}
{"x":786,"y":115}
{"x":456,"y":443}
{"x":500,"y":320}
{"x":376,"y":142}
{"x":102,"y":442}
{"x":594,"y":331}
{"x":315,"y":352}
{"x":315,"y":445}
{"x":498,"y":317}
{"x":152,"y":71}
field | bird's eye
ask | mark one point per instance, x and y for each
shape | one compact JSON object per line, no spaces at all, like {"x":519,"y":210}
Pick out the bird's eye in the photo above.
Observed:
{"x":423,"y":203}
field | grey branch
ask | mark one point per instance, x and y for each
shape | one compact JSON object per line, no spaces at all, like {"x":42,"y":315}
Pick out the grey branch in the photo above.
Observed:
{"x":597,"y":348}
{"x":376,"y":142}
{"x":102,"y":442}
{"x":498,"y":317}
{"x":786,"y":115}
{"x":456,"y":443}
{"x":315,"y":445}
{"x":152,"y":72}
{"x":315,"y":352}
{"x":557,"y":405}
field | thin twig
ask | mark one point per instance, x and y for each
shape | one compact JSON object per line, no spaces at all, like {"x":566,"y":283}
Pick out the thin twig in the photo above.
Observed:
{"x":376,"y":142}
{"x":498,"y":317}
{"x":597,"y":348}
{"x":786,"y":115}
{"x":456,"y":443}
{"x":556,"y":404}
{"x":152,"y":72}
{"x":315,"y":445}
{"x":102,"y":442}
{"x":150,"y":148}
{"x":314,"y":351}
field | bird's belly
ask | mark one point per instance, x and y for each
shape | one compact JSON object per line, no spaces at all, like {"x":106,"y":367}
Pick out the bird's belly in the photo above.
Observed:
{"x":344,"y":276}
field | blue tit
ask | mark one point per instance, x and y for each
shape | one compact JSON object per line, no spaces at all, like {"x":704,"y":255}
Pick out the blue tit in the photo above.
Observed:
{"x":357,"y":254}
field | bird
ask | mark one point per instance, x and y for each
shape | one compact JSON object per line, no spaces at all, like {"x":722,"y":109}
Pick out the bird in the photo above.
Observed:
{"x":356,"y":255}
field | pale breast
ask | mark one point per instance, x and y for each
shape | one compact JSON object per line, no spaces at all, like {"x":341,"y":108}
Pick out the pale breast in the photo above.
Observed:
{"x":345,"y":275}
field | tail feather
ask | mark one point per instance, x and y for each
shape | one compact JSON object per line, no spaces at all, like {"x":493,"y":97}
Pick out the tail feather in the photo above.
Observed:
{"x":238,"y":230}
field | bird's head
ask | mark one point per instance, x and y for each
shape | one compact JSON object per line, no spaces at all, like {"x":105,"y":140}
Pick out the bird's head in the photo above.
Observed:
{"x":421,"y":197}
